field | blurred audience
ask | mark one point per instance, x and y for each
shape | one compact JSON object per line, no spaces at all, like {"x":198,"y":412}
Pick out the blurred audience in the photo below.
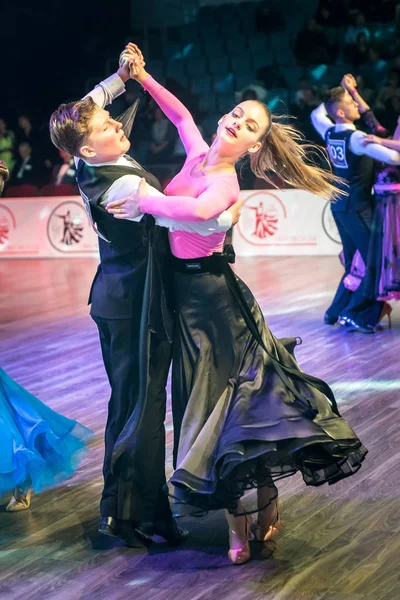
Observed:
{"x":27,"y":167}
{"x":7,"y":144}
{"x":312,"y":46}
{"x":366,"y":92}
{"x":357,"y":53}
{"x":375,"y":69}
{"x":359,"y":26}
{"x":25,"y":131}
{"x":163,"y":138}
{"x":392,"y":88}
{"x":65,"y":172}
{"x":364,"y":33}
{"x":269,"y":17}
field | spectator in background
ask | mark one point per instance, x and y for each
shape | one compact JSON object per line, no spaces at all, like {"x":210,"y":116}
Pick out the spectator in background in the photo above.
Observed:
{"x":27,"y":169}
{"x":66,"y":172}
{"x":304,"y":84}
{"x":357,"y":53}
{"x":312,"y":46}
{"x":384,"y":10}
{"x":302,"y":109}
{"x":375,"y":69}
{"x":366,"y":92}
{"x":354,"y":30}
{"x":270,"y":76}
{"x":253,"y":91}
{"x":25,"y":131}
{"x":388,"y":91}
{"x":390,"y":113}
{"x":7,"y":143}
{"x":330,"y":13}
{"x":269,"y":17}
{"x":391,"y":49}
{"x":163,"y":137}
{"x":396,"y":63}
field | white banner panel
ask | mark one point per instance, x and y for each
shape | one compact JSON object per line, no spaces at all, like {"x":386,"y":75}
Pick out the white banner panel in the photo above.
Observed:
{"x":45,"y":228}
{"x":273,"y":222}
{"x":285,"y":223}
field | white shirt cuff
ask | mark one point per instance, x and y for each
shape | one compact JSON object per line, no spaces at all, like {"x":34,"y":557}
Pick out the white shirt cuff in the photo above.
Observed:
{"x":224,"y":221}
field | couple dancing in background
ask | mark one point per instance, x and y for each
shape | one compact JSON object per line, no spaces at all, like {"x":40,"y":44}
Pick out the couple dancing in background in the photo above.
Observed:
{"x":369,"y":226}
{"x":382,"y":268}
{"x":244,"y":413}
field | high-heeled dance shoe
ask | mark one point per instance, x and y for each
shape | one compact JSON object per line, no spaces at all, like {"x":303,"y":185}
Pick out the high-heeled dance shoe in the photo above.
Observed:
{"x":268,"y":532}
{"x":386,"y":311}
{"x":238,"y":556}
{"x":20,"y":500}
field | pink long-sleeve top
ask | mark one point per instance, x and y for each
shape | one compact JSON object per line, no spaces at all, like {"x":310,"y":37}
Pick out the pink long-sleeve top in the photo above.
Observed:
{"x":190,"y":197}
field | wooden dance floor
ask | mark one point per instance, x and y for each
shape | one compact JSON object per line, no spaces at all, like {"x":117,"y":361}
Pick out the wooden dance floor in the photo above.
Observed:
{"x":338,"y":543}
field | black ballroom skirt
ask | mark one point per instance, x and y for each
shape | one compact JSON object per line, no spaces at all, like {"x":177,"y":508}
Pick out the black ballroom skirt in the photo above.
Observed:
{"x":245,"y":415}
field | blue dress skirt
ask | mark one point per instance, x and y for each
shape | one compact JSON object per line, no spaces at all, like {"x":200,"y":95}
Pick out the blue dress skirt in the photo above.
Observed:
{"x":39,"y":447}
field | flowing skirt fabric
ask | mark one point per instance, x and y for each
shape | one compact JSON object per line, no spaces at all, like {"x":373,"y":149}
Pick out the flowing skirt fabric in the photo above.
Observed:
{"x":238,"y":422}
{"x":383,"y":268}
{"x":37,"y":444}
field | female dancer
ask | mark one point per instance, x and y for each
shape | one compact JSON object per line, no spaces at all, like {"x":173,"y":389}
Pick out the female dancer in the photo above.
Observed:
{"x":244,"y":413}
{"x":382,"y":271}
{"x":39,"y":448}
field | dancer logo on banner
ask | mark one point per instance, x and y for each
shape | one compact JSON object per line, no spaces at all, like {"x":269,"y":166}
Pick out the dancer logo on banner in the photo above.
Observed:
{"x":261,"y":218}
{"x":7,"y":223}
{"x":67,"y":226}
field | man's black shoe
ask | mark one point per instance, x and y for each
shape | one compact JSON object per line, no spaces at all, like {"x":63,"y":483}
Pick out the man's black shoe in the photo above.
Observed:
{"x":353,"y":326}
{"x":168,"y":530}
{"x":108,"y":526}
{"x":128,"y":534}
{"x":113,"y":528}
{"x":328,"y":320}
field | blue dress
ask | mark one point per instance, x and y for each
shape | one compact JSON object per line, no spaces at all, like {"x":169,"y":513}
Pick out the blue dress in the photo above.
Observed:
{"x":38,"y":446}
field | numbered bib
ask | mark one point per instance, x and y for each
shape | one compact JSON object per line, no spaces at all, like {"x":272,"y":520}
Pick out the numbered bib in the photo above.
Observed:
{"x":337,"y":153}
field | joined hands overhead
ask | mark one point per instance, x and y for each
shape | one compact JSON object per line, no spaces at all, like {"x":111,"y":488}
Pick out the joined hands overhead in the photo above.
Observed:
{"x":131,"y":58}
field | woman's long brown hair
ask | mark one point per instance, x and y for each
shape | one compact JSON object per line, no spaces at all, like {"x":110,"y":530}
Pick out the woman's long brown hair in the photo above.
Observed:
{"x":284,"y":152}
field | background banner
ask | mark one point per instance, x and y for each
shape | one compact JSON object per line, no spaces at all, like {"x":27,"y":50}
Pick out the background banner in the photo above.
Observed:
{"x":285,"y":223}
{"x":273,"y":222}
{"x":45,"y":228}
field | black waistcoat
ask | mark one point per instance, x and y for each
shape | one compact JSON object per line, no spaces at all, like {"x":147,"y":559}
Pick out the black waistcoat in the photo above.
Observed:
{"x":357,"y":171}
{"x":118,"y":287}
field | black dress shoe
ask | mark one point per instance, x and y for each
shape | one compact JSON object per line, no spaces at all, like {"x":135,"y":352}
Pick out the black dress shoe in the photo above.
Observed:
{"x":128,"y":534}
{"x":168,"y":530}
{"x":108,"y":526}
{"x":114,"y":528}
{"x":328,"y":320}
{"x":351,"y":325}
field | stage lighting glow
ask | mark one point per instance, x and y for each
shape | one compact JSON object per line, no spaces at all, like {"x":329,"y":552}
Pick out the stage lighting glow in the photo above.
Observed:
{"x":272,"y":103}
{"x":318,"y":72}
{"x":366,"y":385}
